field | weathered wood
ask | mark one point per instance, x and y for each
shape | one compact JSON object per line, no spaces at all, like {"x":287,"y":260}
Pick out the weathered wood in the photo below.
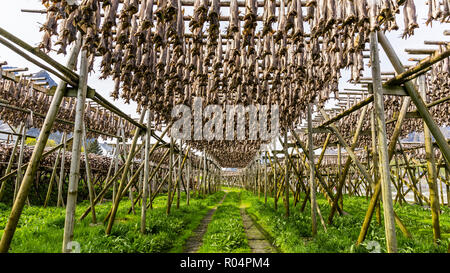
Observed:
{"x":89,"y":181}
{"x":74,"y":176}
{"x":389,"y":219}
{"x":10,"y":164}
{"x":61,"y":173}
{"x":416,"y":98}
{"x":431,"y":168}
{"x":36,"y":156}
{"x":127,"y":164}
{"x":312,"y":182}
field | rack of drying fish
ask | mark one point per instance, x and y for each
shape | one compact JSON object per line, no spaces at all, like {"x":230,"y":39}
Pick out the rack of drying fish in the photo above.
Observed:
{"x":22,"y":102}
{"x":289,"y":53}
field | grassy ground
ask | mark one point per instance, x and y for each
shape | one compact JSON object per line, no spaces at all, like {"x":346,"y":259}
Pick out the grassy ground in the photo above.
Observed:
{"x":226,"y":232}
{"x":294,"y":233}
{"x":41,"y":230}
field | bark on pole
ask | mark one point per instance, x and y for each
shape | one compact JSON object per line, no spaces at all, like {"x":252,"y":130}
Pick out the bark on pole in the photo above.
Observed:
{"x":74,"y":175}
{"x":37,"y":154}
{"x":431,"y":168}
{"x":145,"y":188}
{"x":386,"y":193}
{"x":312,"y":182}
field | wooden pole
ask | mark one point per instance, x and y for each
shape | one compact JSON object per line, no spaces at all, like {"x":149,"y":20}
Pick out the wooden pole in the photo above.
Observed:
{"x":389,"y":220}
{"x":52,"y":177}
{"x":89,"y":176}
{"x":312,"y":182}
{"x":19,"y":164}
{"x":61,"y":172}
{"x":76,"y":152}
{"x":127,"y":164}
{"x":171,"y":155}
{"x":37,"y":154}
{"x":188,"y":182}
{"x":146,"y":190}
{"x":431,"y":168}
{"x":342,"y":175}
{"x":10,"y":163}
{"x":286,"y":173}
{"x":179,"y":176}
{"x":416,"y":98}
{"x":265,"y":179}
{"x":375,"y":162}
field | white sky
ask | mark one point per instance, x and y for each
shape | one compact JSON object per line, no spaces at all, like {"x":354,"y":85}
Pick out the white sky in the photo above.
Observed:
{"x":26,"y":27}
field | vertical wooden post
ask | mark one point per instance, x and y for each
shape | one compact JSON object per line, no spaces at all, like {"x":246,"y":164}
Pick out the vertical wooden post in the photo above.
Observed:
{"x":10,"y":163}
{"x":389,"y":221}
{"x":179,"y":175}
{"x":375,"y":162}
{"x":61,"y":172}
{"x":312,"y":182}
{"x":89,"y":175}
{"x":76,"y":152}
{"x":431,"y":168}
{"x":265,"y":179}
{"x":169,"y":187}
{"x":286,"y":172}
{"x":188,"y":182}
{"x":37,"y":154}
{"x":122,"y":184}
{"x":20,"y":161}
{"x":52,"y":177}
{"x":146,"y":190}
{"x":416,"y":99}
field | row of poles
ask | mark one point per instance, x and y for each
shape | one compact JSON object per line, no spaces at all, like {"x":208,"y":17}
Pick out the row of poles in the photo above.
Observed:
{"x":256,"y":177}
{"x":206,"y":180}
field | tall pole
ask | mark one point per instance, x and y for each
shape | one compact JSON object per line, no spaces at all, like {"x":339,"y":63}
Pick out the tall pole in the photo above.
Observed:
{"x":386,"y":193}
{"x":145,"y":187}
{"x":74,"y":175}
{"x":286,"y":172}
{"x":169,"y":187}
{"x":19,"y":164}
{"x":122,"y":184}
{"x":89,"y":176}
{"x":312,"y":182}
{"x":30,"y":173}
{"x":431,"y":168}
{"x":62,"y":172}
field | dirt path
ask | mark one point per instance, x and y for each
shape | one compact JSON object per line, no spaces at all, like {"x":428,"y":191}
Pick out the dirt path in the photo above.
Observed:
{"x":194,"y":242}
{"x":256,"y":239}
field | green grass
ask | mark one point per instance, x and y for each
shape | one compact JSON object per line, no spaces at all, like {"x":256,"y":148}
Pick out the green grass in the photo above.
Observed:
{"x":41,"y":230}
{"x":226,"y":232}
{"x":293,"y":234}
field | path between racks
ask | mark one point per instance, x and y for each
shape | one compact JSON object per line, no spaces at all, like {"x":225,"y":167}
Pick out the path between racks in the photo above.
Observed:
{"x":194,"y":242}
{"x":256,"y":240}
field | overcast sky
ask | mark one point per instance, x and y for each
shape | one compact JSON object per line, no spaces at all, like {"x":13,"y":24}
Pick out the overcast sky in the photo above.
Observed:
{"x":26,"y":27}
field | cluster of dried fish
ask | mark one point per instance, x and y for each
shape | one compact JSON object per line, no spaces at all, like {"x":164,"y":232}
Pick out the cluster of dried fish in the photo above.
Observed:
{"x":155,"y":63}
{"x":21,"y":94}
{"x":98,"y":163}
{"x":438,"y":11}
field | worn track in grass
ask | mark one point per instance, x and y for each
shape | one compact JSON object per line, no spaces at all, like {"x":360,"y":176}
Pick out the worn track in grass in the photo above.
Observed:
{"x":194,"y":242}
{"x":256,"y":239}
